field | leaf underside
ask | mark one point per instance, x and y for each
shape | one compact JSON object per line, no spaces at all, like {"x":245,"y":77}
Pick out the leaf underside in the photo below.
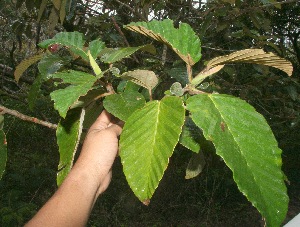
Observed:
{"x":144,"y":78}
{"x":183,"y":40}
{"x":25,"y":64}
{"x":147,"y":141}
{"x":245,"y":141}
{"x":68,"y":134}
{"x":255,"y":56}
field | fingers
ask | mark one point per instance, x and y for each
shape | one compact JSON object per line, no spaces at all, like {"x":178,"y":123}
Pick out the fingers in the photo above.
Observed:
{"x":104,"y":117}
{"x":105,"y":121}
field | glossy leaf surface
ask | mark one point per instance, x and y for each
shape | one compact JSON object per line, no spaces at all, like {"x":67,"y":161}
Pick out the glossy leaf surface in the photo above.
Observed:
{"x":245,"y":141}
{"x":68,"y":134}
{"x":147,"y":141}
{"x":50,"y":64}
{"x":183,"y":40}
{"x":80,"y":84}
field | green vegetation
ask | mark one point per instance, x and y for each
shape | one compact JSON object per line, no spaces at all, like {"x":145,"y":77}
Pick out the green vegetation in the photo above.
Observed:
{"x":191,"y":102}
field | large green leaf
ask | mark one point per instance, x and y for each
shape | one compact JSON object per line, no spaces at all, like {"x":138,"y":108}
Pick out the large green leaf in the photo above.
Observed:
{"x":3,"y":148}
{"x":124,"y":104}
{"x":73,"y":40}
{"x":80,"y":84}
{"x":68,"y":134}
{"x":183,"y":40}
{"x":245,"y":141}
{"x":147,"y":141}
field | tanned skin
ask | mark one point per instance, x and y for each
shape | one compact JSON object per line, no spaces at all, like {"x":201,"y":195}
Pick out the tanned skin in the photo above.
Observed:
{"x":72,"y":203}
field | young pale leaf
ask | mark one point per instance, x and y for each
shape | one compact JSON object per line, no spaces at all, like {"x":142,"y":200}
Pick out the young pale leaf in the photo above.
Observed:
{"x":255,"y":56}
{"x":147,"y":141}
{"x":114,"y":55}
{"x":73,"y":40}
{"x":80,"y":84}
{"x":144,"y":78}
{"x":190,"y":136}
{"x":183,"y":40}
{"x":94,"y":65}
{"x":245,"y":141}
{"x":21,"y":68}
{"x":176,"y":89}
{"x":124,"y":104}
{"x":3,"y":148}
{"x":195,"y":166}
{"x":68,"y":134}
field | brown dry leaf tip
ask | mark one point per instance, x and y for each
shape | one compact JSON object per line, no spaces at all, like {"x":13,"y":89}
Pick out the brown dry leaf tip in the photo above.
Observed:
{"x":146,"y":202}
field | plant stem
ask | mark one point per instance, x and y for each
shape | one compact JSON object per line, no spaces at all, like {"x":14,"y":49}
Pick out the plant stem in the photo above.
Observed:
{"x":4,"y":110}
{"x":189,"y":72}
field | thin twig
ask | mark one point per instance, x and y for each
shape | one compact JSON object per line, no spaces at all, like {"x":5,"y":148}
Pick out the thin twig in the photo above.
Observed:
{"x":124,"y":37}
{"x":218,"y":49}
{"x":189,"y":72}
{"x":132,"y":10}
{"x":4,"y":110}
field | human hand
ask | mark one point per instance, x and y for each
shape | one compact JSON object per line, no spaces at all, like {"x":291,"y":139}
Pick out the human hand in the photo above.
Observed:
{"x":100,"y":149}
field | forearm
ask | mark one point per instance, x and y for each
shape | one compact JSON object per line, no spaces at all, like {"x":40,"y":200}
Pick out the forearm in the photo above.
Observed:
{"x":90,"y":176}
{"x":73,"y":201}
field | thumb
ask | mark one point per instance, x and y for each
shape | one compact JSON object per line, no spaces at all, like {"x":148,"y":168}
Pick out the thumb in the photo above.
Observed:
{"x":116,"y":128}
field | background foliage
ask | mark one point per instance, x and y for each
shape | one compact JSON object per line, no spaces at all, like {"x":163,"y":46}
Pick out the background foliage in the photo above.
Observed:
{"x":223,"y":26}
